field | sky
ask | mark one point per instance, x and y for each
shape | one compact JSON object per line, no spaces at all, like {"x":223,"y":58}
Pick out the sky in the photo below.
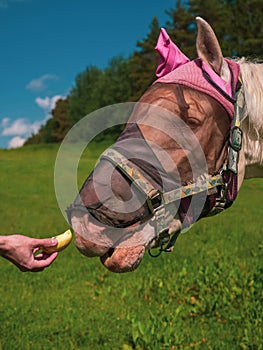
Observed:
{"x":45,"y":44}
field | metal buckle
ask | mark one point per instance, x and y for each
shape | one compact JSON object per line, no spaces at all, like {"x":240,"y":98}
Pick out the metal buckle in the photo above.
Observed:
{"x":236,"y":138}
{"x":154,"y":201}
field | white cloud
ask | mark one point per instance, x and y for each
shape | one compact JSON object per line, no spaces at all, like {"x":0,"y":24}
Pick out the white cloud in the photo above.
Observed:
{"x":17,"y":131}
{"x":4,"y":122}
{"x":48,"y":103}
{"x":16,"y":141}
{"x":39,"y":84}
{"x":23,"y":126}
{"x":19,"y":127}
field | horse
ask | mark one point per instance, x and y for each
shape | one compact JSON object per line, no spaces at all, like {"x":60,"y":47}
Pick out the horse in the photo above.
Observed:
{"x":189,"y":142}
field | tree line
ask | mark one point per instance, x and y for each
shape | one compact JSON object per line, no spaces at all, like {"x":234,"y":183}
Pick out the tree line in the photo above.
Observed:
{"x":239,"y":28}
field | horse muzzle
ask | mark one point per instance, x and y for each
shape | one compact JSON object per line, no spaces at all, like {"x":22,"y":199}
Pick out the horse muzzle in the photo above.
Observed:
{"x":120,"y":250}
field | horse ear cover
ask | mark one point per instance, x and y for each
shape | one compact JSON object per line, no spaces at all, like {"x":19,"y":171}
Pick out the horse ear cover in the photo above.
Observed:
{"x":171,"y":57}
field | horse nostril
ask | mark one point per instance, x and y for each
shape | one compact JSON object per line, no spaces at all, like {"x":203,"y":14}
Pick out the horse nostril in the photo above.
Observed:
{"x":110,"y":252}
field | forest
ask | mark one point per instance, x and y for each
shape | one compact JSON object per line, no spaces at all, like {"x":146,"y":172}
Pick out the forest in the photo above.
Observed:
{"x":237,"y":24}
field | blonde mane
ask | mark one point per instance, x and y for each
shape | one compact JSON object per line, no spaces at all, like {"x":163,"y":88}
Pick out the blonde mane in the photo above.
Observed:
{"x":252,"y":125}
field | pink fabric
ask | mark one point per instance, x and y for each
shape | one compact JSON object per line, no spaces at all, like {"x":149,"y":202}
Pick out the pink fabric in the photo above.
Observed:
{"x":170,"y":55}
{"x":225,"y":86}
{"x":191,"y":75}
{"x":175,"y":67}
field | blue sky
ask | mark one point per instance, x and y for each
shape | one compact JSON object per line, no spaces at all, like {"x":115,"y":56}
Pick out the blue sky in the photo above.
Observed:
{"x":45,"y":43}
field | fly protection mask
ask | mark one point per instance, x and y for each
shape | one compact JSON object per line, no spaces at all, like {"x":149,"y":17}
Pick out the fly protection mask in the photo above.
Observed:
{"x":221,"y":188}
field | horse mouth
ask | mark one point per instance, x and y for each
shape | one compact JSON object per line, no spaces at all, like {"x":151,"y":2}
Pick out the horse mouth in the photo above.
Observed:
{"x":123,"y":260}
{"x":119,"y":250}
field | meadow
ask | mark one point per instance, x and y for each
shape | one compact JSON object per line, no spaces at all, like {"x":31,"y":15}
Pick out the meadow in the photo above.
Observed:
{"x":206,"y":294}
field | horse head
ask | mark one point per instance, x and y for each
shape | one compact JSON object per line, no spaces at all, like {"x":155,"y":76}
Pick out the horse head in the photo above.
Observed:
{"x":175,"y":162}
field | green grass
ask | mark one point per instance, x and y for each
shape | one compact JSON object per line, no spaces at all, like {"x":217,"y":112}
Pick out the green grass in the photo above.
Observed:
{"x":207,"y":294}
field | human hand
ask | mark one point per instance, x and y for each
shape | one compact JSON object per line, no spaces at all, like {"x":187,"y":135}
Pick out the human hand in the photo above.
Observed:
{"x":23,"y":251}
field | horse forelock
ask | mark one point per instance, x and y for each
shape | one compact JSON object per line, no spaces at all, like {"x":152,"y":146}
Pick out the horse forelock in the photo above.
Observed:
{"x":251,"y":75}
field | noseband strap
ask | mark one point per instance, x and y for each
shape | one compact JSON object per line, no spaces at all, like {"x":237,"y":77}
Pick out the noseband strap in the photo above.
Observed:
{"x":158,"y":201}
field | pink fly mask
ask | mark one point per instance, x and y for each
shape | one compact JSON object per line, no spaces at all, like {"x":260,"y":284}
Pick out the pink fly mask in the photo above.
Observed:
{"x":175,"y":67}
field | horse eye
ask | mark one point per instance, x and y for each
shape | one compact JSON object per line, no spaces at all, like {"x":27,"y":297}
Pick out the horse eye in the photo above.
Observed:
{"x":193,"y":122}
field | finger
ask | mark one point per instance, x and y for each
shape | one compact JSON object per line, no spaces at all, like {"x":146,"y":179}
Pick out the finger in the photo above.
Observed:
{"x":35,"y":250}
{"x":43,"y":255}
{"x":45,"y":242}
{"x":40,"y":256}
{"x":38,"y":268}
{"x":46,"y":260}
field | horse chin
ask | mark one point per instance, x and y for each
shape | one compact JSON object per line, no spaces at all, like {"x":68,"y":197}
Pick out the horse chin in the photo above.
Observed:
{"x":119,"y":250}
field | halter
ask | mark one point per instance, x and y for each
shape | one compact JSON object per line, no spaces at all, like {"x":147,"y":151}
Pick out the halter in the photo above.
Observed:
{"x":220,"y":189}
{"x":224,"y":184}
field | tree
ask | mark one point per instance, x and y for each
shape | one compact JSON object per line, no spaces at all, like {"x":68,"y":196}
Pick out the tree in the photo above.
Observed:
{"x":34,"y":138}
{"x":83,"y":98}
{"x":181,"y":28}
{"x":237,"y":24}
{"x":61,"y":123}
{"x":115,"y":84}
{"x":55,"y":128}
{"x":246,"y":34}
{"x":143,"y":62}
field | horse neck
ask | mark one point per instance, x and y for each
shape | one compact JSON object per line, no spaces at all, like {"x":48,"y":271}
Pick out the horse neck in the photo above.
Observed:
{"x":252,"y":74}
